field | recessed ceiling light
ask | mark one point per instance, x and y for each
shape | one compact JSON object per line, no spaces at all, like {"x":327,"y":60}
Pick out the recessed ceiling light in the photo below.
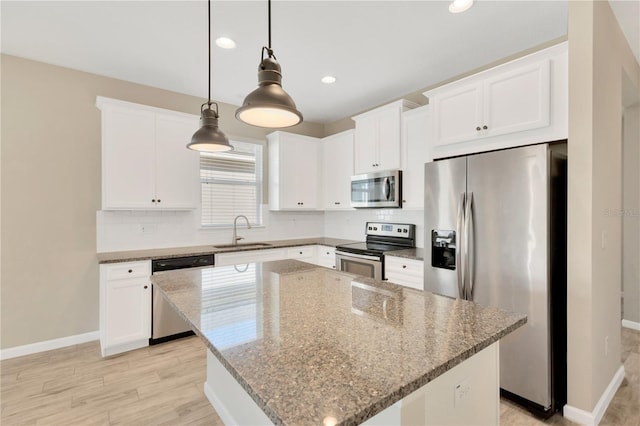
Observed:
{"x":328,"y":79}
{"x":225,"y":43}
{"x":458,"y":6}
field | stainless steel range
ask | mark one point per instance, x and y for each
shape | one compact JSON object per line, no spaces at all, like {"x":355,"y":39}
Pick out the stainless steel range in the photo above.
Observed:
{"x":367,"y":259}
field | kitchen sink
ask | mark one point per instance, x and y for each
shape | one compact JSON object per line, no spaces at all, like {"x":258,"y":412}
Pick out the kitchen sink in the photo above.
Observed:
{"x":243,"y":245}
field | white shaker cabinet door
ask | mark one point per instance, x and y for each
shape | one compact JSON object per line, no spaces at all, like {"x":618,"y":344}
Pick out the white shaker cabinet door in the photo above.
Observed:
{"x":416,"y":125}
{"x":294,"y":172}
{"x":337,"y":161}
{"x":125,"y":306}
{"x":366,"y":145}
{"x":177,"y":176}
{"x":128,"y":159}
{"x":517,"y":100}
{"x":389,"y":140}
{"x":458,"y":115}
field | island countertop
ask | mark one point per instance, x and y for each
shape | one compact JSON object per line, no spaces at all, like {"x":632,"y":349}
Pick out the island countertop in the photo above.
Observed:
{"x":309,"y":344}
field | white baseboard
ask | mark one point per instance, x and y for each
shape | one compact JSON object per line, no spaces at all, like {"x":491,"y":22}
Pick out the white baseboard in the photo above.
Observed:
{"x":593,"y":418}
{"x":631,"y":324}
{"x":48,"y":345}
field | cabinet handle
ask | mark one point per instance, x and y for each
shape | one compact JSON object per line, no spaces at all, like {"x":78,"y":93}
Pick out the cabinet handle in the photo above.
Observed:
{"x":337,"y":203}
{"x":484,"y":127}
{"x":478,"y":129}
{"x":130,"y":270}
{"x":146,"y":287}
{"x":404,"y":266}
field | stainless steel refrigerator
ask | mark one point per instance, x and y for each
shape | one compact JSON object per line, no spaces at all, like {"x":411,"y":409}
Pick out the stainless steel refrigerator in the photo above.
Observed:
{"x":495,"y":233}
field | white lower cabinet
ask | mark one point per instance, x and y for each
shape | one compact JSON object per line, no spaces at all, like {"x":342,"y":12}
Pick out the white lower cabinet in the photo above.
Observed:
{"x":304,"y":253}
{"x":326,"y":256}
{"x":125,"y":306}
{"x":403,"y":271}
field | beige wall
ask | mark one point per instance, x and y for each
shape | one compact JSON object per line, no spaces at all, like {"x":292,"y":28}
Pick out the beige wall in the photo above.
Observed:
{"x":50,"y":185}
{"x":631,"y":214}
{"x":598,"y":55}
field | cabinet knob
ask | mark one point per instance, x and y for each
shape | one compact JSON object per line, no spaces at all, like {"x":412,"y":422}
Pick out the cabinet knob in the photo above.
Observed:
{"x":159,"y":200}
{"x":478,"y":129}
{"x":146,"y":286}
{"x":484,"y":127}
{"x":404,"y":266}
{"x":130,"y":270}
{"x":300,"y":252}
{"x":153,"y":201}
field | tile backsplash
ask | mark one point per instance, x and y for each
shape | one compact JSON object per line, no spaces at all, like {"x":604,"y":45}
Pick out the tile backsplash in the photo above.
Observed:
{"x":132,"y":230}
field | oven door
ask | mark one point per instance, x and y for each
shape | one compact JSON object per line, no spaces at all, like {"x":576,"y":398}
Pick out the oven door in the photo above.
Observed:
{"x":359,"y":264}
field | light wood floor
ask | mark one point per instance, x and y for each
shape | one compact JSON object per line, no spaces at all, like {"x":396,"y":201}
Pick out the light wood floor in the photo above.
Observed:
{"x":162,"y":385}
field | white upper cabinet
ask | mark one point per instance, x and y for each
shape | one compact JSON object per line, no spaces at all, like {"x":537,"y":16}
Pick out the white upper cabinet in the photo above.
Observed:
{"x":145,"y":162}
{"x":415,"y":153}
{"x":521,"y":102}
{"x":377,"y":137}
{"x":294,"y":172}
{"x":337,"y":169}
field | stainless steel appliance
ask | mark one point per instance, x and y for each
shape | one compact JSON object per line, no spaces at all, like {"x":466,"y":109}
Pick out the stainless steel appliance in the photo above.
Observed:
{"x":367,"y":259}
{"x":166,"y":324}
{"x":495,"y":233}
{"x":375,"y":190}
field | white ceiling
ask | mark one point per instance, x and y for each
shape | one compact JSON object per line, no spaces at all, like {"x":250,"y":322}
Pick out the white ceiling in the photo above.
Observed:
{"x":378,"y":50}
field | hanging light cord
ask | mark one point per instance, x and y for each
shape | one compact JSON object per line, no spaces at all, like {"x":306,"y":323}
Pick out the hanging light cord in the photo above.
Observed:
{"x":268,"y":48}
{"x":209,"y":103}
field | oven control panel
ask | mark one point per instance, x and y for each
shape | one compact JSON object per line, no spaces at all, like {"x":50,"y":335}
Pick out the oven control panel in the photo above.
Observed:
{"x":402,"y":230}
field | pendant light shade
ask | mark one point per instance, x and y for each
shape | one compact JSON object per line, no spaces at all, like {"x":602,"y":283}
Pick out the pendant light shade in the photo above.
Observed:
{"x":209,"y":137}
{"x":269,"y":105}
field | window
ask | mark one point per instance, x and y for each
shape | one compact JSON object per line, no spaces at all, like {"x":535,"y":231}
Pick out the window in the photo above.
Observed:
{"x":231,"y":184}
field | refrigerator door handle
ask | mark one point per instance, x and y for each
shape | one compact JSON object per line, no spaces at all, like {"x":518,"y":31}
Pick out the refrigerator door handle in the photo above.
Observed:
{"x":459,"y":233}
{"x":469,"y":245}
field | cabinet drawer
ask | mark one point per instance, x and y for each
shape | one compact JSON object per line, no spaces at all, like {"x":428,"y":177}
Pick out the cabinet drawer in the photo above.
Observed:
{"x":304,"y":252}
{"x":407,"y":272}
{"x":119,"y":271}
{"x":326,"y":256}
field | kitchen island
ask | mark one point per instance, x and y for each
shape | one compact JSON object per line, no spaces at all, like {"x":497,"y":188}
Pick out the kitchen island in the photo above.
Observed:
{"x":294,"y":343}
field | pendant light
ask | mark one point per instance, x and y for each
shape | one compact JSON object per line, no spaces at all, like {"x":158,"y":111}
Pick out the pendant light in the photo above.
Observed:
{"x":269,"y":105}
{"x":209,"y":137}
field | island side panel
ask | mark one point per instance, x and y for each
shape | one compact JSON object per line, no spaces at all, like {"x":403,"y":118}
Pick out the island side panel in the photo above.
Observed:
{"x":468,"y":394}
{"x":232,"y":403}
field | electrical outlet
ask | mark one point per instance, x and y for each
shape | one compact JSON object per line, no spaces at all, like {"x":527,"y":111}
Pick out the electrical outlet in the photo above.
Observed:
{"x":460,"y":391}
{"x":147,"y":229}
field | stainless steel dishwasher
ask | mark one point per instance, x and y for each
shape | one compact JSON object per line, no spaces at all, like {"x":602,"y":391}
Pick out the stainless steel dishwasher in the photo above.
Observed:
{"x":166,"y":323}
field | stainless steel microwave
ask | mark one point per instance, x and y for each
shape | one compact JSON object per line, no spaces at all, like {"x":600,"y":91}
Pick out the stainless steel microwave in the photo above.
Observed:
{"x":377,"y":190}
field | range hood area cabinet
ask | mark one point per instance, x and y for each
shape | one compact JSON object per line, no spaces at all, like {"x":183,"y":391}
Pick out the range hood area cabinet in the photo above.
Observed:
{"x":294,"y":172}
{"x":377,"y":137}
{"x":145,"y":162}
{"x":521,"y":102}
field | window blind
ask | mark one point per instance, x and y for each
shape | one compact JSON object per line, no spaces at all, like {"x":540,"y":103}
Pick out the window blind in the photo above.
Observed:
{"x":231,"y":184}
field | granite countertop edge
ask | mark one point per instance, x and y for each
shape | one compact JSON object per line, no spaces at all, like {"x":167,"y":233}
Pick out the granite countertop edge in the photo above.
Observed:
{"x":173,"y":252}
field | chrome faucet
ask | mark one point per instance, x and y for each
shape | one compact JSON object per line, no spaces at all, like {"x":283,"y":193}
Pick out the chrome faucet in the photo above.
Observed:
{"x":235,"y":225}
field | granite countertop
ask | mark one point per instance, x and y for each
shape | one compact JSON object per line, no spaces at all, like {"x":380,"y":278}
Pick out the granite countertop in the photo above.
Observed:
{"x":415,"y":253}
{"x":166,"y":253}
{"x":308,"y":343}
